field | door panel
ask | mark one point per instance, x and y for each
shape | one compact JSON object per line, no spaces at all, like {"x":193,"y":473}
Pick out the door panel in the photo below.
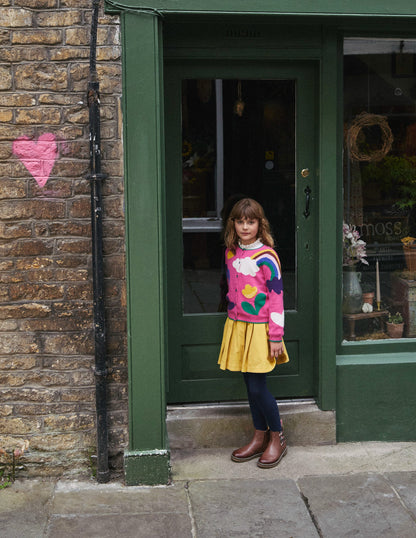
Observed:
{"x":237,"y":129}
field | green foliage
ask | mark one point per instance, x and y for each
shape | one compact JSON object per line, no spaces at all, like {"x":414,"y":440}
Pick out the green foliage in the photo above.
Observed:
{"x":396,"y":318}
{"x":9,"y":463}
{"x":395,"y":176}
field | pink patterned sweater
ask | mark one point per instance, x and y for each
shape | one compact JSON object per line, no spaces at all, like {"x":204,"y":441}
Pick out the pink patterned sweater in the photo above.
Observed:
{"x":255,"y":289}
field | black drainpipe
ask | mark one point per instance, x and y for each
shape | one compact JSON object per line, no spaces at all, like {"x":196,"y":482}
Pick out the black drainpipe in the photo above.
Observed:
{"x":96,"y":177}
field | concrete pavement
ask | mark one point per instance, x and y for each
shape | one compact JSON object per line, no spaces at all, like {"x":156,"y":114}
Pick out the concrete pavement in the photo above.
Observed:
{"x":352,"y":489}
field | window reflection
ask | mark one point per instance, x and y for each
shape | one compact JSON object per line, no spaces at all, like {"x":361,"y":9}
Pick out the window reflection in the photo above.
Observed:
{"x":380,"y":185}
{"x":238,"y":139}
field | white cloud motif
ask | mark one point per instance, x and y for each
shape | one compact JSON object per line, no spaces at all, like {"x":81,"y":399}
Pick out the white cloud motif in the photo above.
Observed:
{"x":277,"y":318}
{"x":245,"y":266}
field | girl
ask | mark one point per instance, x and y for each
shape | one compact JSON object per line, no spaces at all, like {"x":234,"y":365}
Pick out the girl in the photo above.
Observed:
{"x":253,"y":332}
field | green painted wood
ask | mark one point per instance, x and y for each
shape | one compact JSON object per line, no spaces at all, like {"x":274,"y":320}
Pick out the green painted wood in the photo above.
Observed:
{"x":325,"y":8}
{"x":329,"y":194}
{"x":194,"y":340}
{"x":376,"y":399}
{"x":144,"y":236}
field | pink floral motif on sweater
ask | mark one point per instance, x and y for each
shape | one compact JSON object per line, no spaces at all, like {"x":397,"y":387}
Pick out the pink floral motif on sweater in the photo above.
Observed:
{"x":255,"y":288}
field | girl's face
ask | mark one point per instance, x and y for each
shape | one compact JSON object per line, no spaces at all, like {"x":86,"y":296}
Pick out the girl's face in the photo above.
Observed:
{"x":247,"y":230}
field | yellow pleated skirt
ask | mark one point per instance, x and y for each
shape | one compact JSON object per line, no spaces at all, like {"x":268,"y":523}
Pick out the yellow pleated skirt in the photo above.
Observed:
{"x":245,"y":348}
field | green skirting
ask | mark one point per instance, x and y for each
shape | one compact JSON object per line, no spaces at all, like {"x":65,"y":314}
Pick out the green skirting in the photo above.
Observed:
{"x":147,"y":468}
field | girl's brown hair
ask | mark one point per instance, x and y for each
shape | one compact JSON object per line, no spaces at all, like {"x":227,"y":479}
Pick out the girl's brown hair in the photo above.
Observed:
{"x":247,"y":208}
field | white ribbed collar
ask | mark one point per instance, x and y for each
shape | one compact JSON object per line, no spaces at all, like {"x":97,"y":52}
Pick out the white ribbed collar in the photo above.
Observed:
{"x":252,"y":246}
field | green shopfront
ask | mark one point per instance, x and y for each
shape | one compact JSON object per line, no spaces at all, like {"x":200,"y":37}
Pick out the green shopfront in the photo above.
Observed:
{"x":312,"y":111}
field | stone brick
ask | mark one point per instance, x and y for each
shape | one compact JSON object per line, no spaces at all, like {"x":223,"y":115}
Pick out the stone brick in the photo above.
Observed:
{"x":110,"y":78}
{"x":59,"y":18}
{"x":41,"y":76}
{"x":67,"y":363}
{"x":17,"y":343}
{"x":6,"y":410}
{"x":106,"y":54}
{"x":29,"y":209}
{"x":114,"y":207}
{"x":5,"y":78}
{"x":39,"y":409}
{"x":74,"y":246}
{"x":69,"y":132}
{"x":69,"y":53}
{"x":5,"y":151}
{"x":80,"y":208}
{"x":26,"y":310}
{"x":19,"y":426}
{"x":12,"y":188}
{"x":55,"y":441}
{"x":40,"y":115}
{"x":4,"y":36}
{"x":80,"y":291}
{"x":15,"y":17}
{"x":77,"y":36}
{"x":34,"y":263}
{"x":21,"y":54}
{"x":26,"y":362}
{"x":36,"y":292}
{"x":33,"y":247}
{"x":36,"y":4}
{"x":30,"y":395}
{"x":74,"y":228}
{"x":67,"y":344}
{"x":8,"y":326}
{"x":38,"y":36}
{"x":69,"y":422}
{"x":60,"y":99}
{"x":108,"y":35}
{"x":77,"y":115}
{"x":57,"y":275}
{"x":5,"y":265}
{"x":78,"y":395}
{"x":11,"y":132}
{"x":55,"y":188}
{"x":6,"y":115}
{"x":70,"y":168}
{"x":72,"y":261}
{"x":16,"y":100}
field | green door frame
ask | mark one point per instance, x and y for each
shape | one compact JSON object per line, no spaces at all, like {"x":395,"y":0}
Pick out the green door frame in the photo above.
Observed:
{"x":147,"y":458}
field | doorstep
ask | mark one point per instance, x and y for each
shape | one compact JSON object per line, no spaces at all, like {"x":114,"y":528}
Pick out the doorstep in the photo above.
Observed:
{"x":217,"y":425}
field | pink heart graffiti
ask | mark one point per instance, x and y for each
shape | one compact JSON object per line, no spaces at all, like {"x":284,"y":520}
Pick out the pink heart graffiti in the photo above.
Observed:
{"x":38,"y":157}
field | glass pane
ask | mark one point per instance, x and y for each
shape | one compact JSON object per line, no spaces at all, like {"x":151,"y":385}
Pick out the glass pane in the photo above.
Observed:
{"x":379,"y":186}
{"x":238,"y":139}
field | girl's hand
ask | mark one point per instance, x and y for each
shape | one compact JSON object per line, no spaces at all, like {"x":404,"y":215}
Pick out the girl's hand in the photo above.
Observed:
{"x":276,"y":348}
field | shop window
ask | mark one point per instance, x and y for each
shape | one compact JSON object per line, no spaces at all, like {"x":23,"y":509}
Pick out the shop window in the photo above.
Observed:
{"x":379,"y":257}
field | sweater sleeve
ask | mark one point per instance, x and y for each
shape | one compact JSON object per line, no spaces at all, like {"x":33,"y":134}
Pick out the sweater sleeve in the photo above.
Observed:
{"x":270,"y":264}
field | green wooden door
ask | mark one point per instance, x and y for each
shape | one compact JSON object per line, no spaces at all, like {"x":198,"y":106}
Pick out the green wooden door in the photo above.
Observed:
{"x":233,"y":129}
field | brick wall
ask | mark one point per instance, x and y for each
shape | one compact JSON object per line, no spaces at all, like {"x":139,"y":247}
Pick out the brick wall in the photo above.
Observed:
{"x":47,"y":383}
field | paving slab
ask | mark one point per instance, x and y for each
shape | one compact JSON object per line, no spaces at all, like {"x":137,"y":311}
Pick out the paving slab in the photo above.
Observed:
{"x":363,"y":505}
{"x":249,"y":508}
{"x":24,"y":508}
{"x":405,"y":486}
{"x":88,"y":509}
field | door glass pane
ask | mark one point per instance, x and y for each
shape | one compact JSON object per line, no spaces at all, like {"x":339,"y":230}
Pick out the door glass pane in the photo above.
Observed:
{"x":238,"y":139}
{"x":379,"y":185}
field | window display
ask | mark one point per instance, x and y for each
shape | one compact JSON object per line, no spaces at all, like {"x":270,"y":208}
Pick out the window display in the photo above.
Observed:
{"x":379,"y":231}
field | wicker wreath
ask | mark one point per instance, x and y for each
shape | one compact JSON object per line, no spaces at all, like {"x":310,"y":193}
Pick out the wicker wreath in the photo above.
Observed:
{"x":369,"y":120}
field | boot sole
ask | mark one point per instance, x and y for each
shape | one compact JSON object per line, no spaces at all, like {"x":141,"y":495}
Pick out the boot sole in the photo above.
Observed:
{"x":274,"y":463}
{"x":242,"y":460}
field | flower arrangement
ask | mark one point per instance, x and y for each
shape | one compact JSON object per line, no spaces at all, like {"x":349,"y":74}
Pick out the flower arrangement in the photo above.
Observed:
{"x":354,"y":247}
{"x":396,"y":318}
{"x":408,"y":241}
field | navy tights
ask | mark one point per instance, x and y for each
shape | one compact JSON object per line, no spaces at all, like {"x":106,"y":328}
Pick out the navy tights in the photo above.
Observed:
{"x":263,"y":405}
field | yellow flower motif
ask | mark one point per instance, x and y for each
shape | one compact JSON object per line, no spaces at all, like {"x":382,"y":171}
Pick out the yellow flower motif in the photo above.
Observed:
{"x":230,"y":255}
{"x":249,"y":291}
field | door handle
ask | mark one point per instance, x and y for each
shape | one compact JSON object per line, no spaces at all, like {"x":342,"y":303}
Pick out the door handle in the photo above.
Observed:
{"x":307,"y":191}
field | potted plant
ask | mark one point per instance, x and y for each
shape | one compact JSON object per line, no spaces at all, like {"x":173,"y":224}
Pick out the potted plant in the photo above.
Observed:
{"x":395,"y":325}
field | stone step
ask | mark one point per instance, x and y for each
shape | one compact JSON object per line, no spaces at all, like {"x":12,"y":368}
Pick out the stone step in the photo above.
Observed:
{"x":229,"y":424}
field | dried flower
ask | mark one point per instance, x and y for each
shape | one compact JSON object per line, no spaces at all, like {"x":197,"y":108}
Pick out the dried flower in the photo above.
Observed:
{"x":354,"y":247}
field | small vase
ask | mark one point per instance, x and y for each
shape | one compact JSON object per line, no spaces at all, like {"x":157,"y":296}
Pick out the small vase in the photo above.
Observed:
{"x":352,"y":291}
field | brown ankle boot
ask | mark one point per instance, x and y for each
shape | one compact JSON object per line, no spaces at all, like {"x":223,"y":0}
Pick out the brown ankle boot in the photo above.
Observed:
{"x":255,"y":448}
{"x":274,"y":452}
